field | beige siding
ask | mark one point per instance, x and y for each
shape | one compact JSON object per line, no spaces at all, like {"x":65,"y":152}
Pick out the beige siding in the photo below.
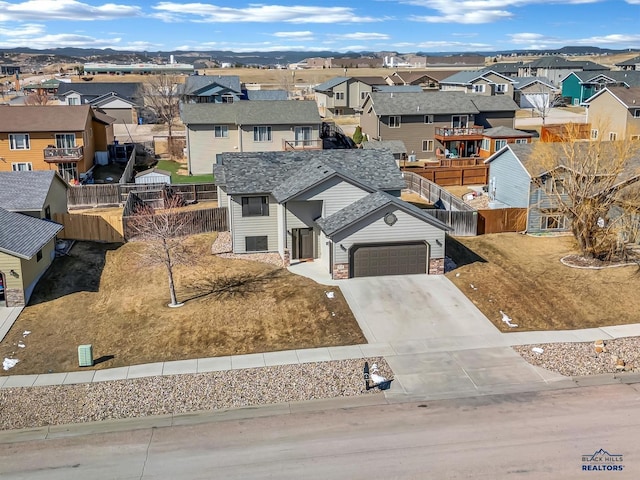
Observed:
{"x":8,"y":263}
{"x":254,"y":226}
{"x":606,"y":114}
{"x":56,"y":198}
{"x":374,"y":230}
{"x":279,"y":134}
{"x":203,"y":147}
{"x":32,"y":270}
{"x":356,"y":89}
{"x":302,"y":215}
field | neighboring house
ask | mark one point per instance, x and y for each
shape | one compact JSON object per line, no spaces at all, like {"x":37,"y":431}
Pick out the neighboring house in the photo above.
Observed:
{"x":435,"y":122}
{"x":517,"y":180}
{"x":344,"y":95}
{"x":48,"y":87}
{"x":396,"y":147}
{"x":265,"y":95}
{"x":27,"y":248}
{"x":39,"y":194}
{"x":496,"y":138}
{"x":577,"y":87}
{"x":212,"y":89}
{"x":614,"y":113}
{"x":631,"y":64}
{"x":120,"y":100}
{"x":248,"y":127}
{"x":425,"y":80}
{"x":508,"y":69}
{"x":64,"y":138}
{"x":482,"y":82}
{"x":533,"y":92}
{"x":340,"y":208}
{"x":557,"y":68}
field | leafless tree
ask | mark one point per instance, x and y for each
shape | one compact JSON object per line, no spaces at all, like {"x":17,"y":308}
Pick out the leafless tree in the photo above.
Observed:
{"x":163,"y":231}
{"x":287,"y":81}
{"x":592,"y":185}
{"x":36,"y":99}
{"x":162,"y":95}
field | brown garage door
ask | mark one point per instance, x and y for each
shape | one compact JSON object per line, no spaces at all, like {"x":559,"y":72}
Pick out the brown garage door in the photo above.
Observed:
{"x":402,"y":259}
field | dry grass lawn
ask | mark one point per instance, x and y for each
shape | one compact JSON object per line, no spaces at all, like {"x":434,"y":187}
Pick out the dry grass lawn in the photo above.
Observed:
{"x":101,"y":295}
{"x":522,"y":276}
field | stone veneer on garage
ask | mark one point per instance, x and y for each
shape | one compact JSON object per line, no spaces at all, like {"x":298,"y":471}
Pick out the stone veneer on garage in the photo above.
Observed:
{"x":436,"y":266}
{"x":14,"y":297}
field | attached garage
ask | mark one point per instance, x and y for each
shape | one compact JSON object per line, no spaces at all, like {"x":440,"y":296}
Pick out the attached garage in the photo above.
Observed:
{"x":389,"y":259}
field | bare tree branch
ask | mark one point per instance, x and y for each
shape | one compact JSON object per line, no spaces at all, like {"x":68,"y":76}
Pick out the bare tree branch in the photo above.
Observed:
{"x":162,"y":95}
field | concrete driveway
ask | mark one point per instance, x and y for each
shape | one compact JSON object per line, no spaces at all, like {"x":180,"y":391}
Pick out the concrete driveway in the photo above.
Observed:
{"x":410,"y":307}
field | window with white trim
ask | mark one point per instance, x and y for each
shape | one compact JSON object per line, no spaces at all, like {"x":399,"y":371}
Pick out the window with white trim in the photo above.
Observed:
{"x":255,"y":206}
{"x":427,"y":145}
{"x":521,"y":140}
{"x":261,"y":134}
{"x":594,"y":134}
{"x":485,"y":144}
{"x":339,"y":95}
{"x":636,"y":113}
{"x":502,"y":88}
{"x":500,"y":143}
{"x":363,"y":95}
{"x":221,"y":131}
{"x":553,"y":220}
{"x":635,"y":137}
{"x":613,"y":136}
{"x":22,"y":167}
{"x":479,"y":88}
{"x":19,"y":141}
{"x":428,"y":119}
{"x":394,"y":121}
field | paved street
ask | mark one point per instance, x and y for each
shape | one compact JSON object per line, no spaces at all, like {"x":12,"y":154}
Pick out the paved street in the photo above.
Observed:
{"x":542,"y":435}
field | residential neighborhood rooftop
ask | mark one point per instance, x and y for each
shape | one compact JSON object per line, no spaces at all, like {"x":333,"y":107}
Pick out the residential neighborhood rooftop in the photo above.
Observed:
{"x":24,"y":236}
{"x":48,"y":118}
{"x":26,"y":191}
{"x":276,"y":112}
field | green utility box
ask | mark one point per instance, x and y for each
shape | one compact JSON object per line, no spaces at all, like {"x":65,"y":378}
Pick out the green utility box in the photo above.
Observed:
{"x":85,"y":355}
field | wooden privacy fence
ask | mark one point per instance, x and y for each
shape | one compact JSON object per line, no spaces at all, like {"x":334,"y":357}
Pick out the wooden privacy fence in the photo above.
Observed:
{"x":196,"y":221}
{"x":116,"y":194}
{"x":502,"y":220}
{"x":93,"y":228}
{"x":446,"y":176}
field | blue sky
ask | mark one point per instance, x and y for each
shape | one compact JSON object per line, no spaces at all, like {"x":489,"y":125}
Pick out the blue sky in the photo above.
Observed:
{"x":401,"y":25}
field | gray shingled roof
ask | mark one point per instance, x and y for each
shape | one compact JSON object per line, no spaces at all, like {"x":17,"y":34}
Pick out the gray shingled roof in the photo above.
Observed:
{"x":269,"y":95}
{"x":494,"y":103}
{"x":276,"y":112}
{"x":329,"y":84}
{"x":397,"y":88}
{"x":631,"y":61}
{"x":560,"y":62}
{"x":287,"y":173}
{"x":630,"y":77}
{"x":422,"y":103}
{"x":522,"y":82}
{"x":394,"y":146}
{"x":498,"y":132}
{"x":128,"y":90}
{"x":23,"y":236}
{"x":48,"y":118}
{"x":504,"y":67}
{"x":194,"y":83}
{"x":26,"y":191}
{"x":465,"y":77}
{"x":368,"y":205}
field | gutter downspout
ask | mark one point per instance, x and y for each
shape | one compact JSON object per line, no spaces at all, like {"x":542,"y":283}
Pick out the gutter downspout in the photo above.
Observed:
{"x":240,"y":148}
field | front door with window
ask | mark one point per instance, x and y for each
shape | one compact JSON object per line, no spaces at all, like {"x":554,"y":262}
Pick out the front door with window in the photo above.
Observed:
{"x":302,"y":243}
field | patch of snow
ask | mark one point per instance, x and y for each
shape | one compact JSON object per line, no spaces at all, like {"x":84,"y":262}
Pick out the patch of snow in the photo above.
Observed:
{"x":473,"y":287}
{"x":506,"y":319}
{"x":9,"y":363}
{"x":330,"y":294}
{"x":21,"y":345}
{"x":537,"y":350}
{"x":25,"y":333}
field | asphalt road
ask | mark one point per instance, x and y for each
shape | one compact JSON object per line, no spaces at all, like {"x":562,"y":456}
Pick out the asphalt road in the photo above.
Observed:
{"x":542,"y":436}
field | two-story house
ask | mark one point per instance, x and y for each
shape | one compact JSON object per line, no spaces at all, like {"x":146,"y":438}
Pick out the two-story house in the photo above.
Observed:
{"x":614,"y":113}
{"x":214,"y":128}
{"x":577,"y":87}
{"x":63,"y":138}
{"x":557,"y":68}
{"x":533,"y":92}
{"x":481,"y":82}
{"x":212,"y":89}
{"x":340,"y":208}
{"x":434,"y":124}
{"x":425,"y":80}
{"x":344,"y":95}
{"x":120,"y":100}
{"x":631,"y":64}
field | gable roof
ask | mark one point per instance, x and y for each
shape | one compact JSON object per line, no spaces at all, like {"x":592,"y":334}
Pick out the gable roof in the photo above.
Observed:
{"x":493,"y":103}
{"x":26,"y":191}
{"x":48,"y":118}
{"x":468,"y":76}
{"x":280,"y":172}
{"x":505,"y":67}
{"x":153,"y":170}
{"x":413,"y":76}
{"x":397,"y":88}
{"x":371,"y":81}
{"x":24,"y":236}
{"x":110,"y":97}
{"x":194,"y":83}
{"x":268,"y":95}
{"x":369,"y":205}
{"x":422,"y":103}
{"x":329,"y":84}
{"x":275,"y":112}
{"x":501,"y":132}
{"x":631,"y":61}
{"x":630,"y":78}
{"x":130,"y":91}
{"x":394,"y":146}
{"x":560,"y":62}
{"x":629,"y":97}
{"x":522,"y":82}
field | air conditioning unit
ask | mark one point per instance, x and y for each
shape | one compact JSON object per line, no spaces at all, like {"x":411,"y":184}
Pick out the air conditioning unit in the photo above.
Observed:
{"x":85,"y":355}
{"x":412,"y":158}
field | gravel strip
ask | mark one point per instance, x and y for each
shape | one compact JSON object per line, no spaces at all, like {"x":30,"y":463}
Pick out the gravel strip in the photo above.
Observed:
{"x":222,"y":248}
{"x":577,"y":359}
{"x":30,"y":407}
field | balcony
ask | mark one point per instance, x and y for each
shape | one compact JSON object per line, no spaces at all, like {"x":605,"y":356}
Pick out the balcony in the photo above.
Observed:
{"x":315,"y":144}
{"x":454,"y":133}
{"x":59,"y":155}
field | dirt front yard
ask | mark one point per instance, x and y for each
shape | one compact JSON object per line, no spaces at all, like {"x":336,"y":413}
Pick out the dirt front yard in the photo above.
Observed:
{"x":523,"y":277}
{"x":101,"y":295}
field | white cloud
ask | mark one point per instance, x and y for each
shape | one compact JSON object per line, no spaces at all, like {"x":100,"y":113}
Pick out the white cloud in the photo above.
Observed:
{"x":256,"y":13}
{"x":443,"y":46}
{"x":539,"y":41}
{"x":24,"y":30}
{"x":46,"y":10}
{"x":361,"y":36}
{"x":294,"y":35}
{"x":61,"y":40}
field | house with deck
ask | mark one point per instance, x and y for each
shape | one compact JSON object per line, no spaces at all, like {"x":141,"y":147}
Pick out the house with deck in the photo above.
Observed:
{"x":481,"y":82}
{"x":556,"y":68}
{"x":215,"y":128}
{"x":344,"y":95}
{"x":62,"y":138}
{"x":577,"y":87}
{"x":340,"y":208}
{"x":120,"y":100}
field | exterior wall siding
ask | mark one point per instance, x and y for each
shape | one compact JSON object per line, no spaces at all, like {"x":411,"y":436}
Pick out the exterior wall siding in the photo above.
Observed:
{"x":509,"y":180}
{"x":374,"y":230}
{"x":56,"y":198}
{"x":35,"y":155}
{"x":606,"y":115}
{"x":335,"y":194}
{"x":253,"y":226}
{"x":301,"y":215}
{"x":14,"y":287}
{"x":203,"y":147}
{"x":32,"y":270}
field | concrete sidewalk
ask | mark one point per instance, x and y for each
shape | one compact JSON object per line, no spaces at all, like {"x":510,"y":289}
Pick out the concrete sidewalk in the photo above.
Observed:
{"x":8,"y":315}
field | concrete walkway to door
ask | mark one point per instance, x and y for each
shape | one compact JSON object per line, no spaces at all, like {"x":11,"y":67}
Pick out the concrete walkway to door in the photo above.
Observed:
{"x":8,"y":316}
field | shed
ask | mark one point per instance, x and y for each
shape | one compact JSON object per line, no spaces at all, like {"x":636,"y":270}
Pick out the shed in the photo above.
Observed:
{"x":154,"y":175}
